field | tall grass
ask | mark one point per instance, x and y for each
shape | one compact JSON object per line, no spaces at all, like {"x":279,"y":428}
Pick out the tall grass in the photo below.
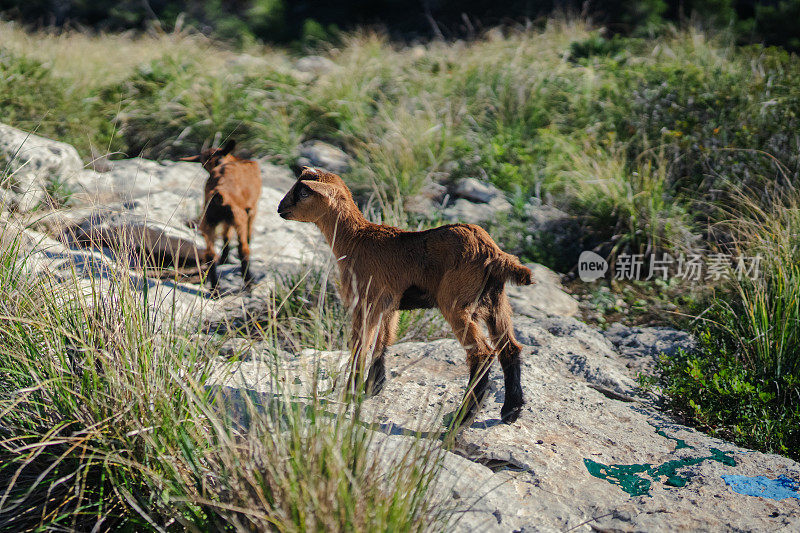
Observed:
{"x":744,"y":382}
{"x":768,"y":303}
{"x":113,"y":419}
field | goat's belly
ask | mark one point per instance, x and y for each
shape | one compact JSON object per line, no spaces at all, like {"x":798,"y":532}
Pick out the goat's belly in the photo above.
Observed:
{"x":416,"y":298}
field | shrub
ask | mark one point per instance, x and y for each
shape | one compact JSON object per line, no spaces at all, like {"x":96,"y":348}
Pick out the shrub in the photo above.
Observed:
{"x":34,"y":99}
{"x":745,"y":381}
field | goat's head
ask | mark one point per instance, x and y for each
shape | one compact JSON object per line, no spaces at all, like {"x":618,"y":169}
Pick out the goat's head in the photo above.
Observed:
{"x":315,"y":193}
{"x":210,"y":157}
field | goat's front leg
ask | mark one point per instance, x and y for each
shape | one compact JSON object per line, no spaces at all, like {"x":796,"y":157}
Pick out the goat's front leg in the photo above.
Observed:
{"x":361,"y":336}
{"x":367,"y":337}
{"x":376,"y":377}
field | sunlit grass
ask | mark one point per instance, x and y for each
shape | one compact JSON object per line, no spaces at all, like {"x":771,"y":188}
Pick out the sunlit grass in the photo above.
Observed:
{"x":111,"y":418}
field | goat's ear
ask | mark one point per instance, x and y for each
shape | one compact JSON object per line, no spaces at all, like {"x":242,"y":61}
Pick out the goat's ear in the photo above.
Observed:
{"x":325,"y":189}
{"x":308,"y":173}
{"x":193,"y":158}
{"x":228,"y":148}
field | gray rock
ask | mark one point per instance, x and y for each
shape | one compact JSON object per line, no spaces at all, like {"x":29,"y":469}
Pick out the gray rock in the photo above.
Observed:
{"x":419,"y":205}
{"x":130,"y":179}
{"x":543,"y":217}
{"x":155,"y":226}
{"x":428,"y":201}
{"x":317,"y":153}
{"x":477,"y":202}
{"x":642,"y":346}
{"x":34,"y":162}
{"x":476,"y":190}
{"x":582,"y":409}
{"x":556,"y":234}
{"x":480,"y":499}
{"x":433,"y":190}
{"x":276,"y":177}
{"x":96,"y":276}
{"x":546,"y":295}
{"x":475,"y":213}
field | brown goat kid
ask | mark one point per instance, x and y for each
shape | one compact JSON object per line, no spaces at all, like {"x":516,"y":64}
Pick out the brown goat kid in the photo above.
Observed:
{"x":231,"y":200}
{"x":457,"y":268}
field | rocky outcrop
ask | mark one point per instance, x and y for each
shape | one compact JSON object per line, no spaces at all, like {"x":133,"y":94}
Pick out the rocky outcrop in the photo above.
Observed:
{"x":320,"y":154}
{"x":641,"y":347}
{"x":33,"y":164}
{"x":588,"y":452}
{"x":476,"y":202}
{"x":546,"y":295}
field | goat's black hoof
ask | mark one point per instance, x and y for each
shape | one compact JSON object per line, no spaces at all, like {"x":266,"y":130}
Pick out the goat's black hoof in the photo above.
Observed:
{"x":373,"y":388}
{"x":510,"y":413}
{"x":469,"y":410}
{"x":467,"y":416}
{"x":376,"y":378}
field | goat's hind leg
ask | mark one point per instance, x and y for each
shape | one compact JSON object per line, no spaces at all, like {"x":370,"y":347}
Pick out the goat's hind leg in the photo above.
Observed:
{"x":501,"y":330}
{"x":479,"y":359}
{"x":242,"y":226}
{"x":227,"y":235}
{"x":209,"y":235}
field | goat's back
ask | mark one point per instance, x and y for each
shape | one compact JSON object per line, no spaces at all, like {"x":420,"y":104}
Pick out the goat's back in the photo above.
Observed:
{"x":455,"y":243}
{"x":424,"y":258}
{"x":237,"y":183}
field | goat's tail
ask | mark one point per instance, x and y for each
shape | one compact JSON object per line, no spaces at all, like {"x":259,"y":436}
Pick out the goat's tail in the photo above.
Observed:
{"x":508,"y":268}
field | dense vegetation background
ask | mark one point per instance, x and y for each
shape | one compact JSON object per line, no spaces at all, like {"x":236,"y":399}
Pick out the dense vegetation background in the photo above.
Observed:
{"x":773,"y":22}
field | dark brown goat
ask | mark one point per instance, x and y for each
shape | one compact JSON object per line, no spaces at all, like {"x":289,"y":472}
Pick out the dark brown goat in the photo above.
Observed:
{"x":457,"y":268}
{"x":231,"y":200}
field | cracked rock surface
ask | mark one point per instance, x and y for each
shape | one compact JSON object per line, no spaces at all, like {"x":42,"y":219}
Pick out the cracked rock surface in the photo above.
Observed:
{"x":583,"y":410}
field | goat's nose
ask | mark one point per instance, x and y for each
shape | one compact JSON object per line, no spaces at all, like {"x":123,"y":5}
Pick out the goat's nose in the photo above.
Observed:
{"x":282,"y":209}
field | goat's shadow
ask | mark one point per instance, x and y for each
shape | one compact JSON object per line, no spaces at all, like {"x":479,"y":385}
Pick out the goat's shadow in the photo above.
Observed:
{"x":87,"y":266}
{"x":100,"y":263}
{"x":241,"y":404}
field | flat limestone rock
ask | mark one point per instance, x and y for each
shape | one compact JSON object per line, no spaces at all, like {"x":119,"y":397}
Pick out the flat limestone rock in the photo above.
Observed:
{"x":33,"y":163}
{"x":589,"y":451}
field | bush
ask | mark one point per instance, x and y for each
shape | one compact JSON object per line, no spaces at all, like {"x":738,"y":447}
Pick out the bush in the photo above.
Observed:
{"x":717,"y":391}
{"x":745,"y":381}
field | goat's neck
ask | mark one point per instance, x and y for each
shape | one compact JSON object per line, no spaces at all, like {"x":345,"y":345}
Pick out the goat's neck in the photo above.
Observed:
{"x":340,"y":227}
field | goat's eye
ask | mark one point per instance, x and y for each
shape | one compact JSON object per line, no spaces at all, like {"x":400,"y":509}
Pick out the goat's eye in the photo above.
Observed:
{"x":303,"y":193}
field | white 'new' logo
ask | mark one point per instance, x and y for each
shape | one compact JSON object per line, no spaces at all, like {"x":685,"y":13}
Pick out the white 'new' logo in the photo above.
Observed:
{"x":591,"y":266}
